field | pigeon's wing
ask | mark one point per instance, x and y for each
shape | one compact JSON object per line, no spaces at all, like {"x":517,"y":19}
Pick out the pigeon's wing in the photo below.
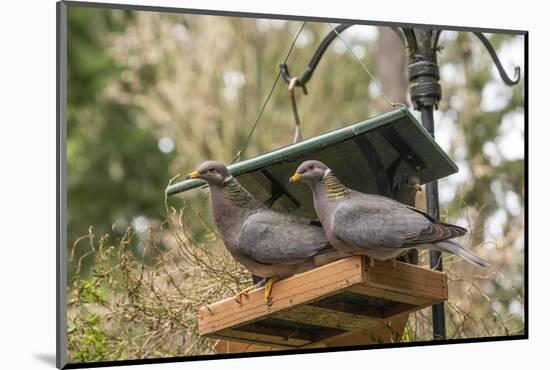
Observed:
{"x":370,"y":223}
{"x":275,"y":238}
{"x":376,"y":222}
{"x":441,"y":230}
{"x":432,"y":233}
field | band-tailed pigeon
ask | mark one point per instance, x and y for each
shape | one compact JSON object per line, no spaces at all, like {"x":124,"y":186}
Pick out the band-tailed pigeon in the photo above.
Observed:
{"x":405,"y":191}
{"x":376,"y":226}
{"x":269,"y":244}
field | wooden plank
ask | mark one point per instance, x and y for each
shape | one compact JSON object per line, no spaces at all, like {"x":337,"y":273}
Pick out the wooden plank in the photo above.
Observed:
{"x":398,"y":309}
{"x":343,"y":308}
{"x":408,"y":278}
{"x":399,"y":266}
{"x":289,"y":332}
{"x":357,"y":303}
{"x":406,"y":287}
{"x":280,"y":332}
{"x":231,"y":346}
{"x":385,"y":293}
{"x":328,"y":318}
{"x":387,"y":331}
{"x":299,"y":289}
{"x":403,"y":283}
{"x":261,"y":339}
{"x":412,"y":273}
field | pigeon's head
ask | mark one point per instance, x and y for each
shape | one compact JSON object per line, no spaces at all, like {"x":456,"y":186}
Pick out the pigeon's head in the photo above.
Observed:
{"x":411,"y":183}
{"x":406,"y":188}
{"x":213,"y":172}
{"x":310,"y":172}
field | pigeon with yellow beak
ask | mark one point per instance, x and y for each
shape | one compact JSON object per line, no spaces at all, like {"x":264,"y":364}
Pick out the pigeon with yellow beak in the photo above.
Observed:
{"x":269,"y":244}
{"x":405,"y":191}
{"x":373,"y":225}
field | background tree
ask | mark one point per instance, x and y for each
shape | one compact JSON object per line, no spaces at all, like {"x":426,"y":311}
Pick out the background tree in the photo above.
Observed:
{"x":116,"y":172}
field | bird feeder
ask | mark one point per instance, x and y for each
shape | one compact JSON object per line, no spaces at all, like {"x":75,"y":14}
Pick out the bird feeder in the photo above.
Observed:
{"x":346,"y":302}
{"x":369,"y":156}
{"x":342,"y":303}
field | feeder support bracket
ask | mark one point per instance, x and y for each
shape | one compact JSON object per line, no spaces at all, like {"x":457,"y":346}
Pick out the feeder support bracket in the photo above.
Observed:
{"x":425,"y":93}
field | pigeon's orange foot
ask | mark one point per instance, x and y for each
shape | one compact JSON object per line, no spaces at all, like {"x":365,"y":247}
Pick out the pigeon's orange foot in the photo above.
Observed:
{"x":244,"y":292}
{"x":393,"y":262}
{"x":267,"y":291}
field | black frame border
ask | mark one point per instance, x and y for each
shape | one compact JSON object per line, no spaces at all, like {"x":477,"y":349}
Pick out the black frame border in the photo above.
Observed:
{"x":61,"y":187}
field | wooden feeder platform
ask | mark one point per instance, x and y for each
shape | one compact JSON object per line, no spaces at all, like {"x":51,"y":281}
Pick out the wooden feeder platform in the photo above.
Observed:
{"x":325,"y":305}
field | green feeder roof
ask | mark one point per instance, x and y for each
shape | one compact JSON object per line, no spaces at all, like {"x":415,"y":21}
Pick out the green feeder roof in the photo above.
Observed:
{"x":369,"y":156}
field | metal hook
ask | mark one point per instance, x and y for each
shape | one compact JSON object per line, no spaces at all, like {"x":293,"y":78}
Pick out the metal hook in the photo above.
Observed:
{"x":507,"y":80}
{"x":295,"y":81}
{"x":316,"y":56}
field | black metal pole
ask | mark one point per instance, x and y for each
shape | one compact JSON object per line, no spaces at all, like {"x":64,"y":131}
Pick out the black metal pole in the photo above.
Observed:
{"x":425,"y":94}
{"x":432,"y":205}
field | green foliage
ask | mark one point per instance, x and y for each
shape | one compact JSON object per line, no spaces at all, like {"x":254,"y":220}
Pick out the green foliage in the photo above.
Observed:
{"x":115,"y":170}
{"x":90,"y":291}
{"x":92,"y":343}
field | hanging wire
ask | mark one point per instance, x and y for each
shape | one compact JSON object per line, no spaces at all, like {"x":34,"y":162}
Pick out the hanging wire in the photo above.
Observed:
{"x":378,"y":84}
{"x":245,"y":145}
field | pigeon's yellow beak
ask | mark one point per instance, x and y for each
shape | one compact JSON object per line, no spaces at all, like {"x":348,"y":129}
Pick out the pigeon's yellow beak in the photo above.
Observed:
{"x":194,"y":175}
{"x":418,"y":187}
{"x":294,"y":178}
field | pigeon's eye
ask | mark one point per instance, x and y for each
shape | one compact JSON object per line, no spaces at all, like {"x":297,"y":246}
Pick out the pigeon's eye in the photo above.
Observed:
{"x":310,"y":166}
{"x":211,"y":169}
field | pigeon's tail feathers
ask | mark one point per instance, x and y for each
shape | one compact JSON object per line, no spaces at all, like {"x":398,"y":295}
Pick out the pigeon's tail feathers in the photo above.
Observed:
{"x":455,"y":248}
